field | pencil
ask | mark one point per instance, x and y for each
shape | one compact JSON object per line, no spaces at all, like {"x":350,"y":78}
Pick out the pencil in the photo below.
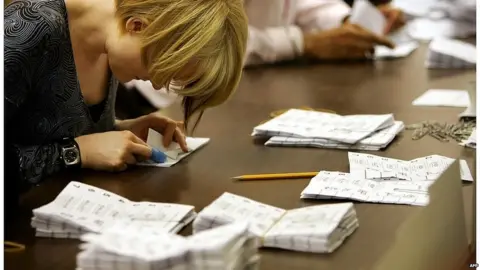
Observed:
{"x":275,"y":176}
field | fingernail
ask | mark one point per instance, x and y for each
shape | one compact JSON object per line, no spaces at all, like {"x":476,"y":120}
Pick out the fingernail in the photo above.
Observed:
{"x":158,"y":156}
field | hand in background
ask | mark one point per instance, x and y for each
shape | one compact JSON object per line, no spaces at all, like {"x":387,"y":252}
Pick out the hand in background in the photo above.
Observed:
{"x":346,"y":42}
{"x":395,"y":17}
{"x":171,"y":130}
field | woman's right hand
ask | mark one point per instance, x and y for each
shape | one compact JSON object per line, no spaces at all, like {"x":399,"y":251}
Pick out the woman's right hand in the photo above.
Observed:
{"x":349,"y":41}
{"x":112,"y":151}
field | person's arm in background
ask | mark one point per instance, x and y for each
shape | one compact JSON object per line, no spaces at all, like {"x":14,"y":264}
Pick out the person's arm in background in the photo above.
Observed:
{"x":276,"y":44}
{"x":23,"y":61}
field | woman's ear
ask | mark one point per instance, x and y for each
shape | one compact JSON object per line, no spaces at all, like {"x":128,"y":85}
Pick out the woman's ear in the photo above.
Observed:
{"x":134,"y":25}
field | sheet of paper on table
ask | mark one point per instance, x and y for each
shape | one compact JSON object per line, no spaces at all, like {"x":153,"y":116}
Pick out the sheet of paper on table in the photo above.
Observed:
{"x":82,"y":208}
{"x":443,"y":97}
{"x":465,"y":173}
{"x":400,"y":51}
{"x":368,"y":16}
{"x":318,"y":229}
{"x":174,"y":153}
{"x":450,"y":54}
{"x":226,"y":247}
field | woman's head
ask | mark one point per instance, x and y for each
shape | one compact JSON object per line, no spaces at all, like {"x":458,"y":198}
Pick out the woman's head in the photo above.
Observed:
{"x":194,"y":47}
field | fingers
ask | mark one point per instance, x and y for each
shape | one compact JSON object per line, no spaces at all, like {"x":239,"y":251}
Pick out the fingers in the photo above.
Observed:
{"x":169,"y":133}
{"x":139,"y":150}
{"x":361,"y":33}
{"x":181,"y":140}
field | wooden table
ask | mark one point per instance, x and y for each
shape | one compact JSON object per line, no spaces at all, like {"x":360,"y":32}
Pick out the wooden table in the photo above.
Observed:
{"x":373,"y":88}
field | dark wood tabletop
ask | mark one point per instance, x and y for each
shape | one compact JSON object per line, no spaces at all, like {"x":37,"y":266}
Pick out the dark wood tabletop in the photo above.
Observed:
{"x":354,"y":88}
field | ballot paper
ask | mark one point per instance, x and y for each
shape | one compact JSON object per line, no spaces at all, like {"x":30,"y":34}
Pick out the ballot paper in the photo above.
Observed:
{"x":465,"y":173}
{"x":318,"y":229}
{"x":471,"y":142}
{"x":174,"y":153}
{"x":366,"y":15}
{"x":426,"y":29}
{"x":82,"y":208}
{"x":443,"y":97}
{"x":375,"y":142}
{"x":320,"y":125}
{"x":451,"y":54}
{"x":339,"y":185}
{"x":226,"y":247}
{"x":401,"y":50}
{"x":366,"y":166}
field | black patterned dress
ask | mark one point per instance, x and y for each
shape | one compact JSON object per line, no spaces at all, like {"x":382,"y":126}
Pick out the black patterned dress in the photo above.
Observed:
{"x":43,"y":101}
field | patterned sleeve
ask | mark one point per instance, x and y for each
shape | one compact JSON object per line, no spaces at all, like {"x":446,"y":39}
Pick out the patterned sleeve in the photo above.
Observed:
{"x":26,"y":38}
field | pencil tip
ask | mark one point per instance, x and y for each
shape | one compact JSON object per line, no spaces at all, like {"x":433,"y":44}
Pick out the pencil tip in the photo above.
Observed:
{"x":236,"y":178}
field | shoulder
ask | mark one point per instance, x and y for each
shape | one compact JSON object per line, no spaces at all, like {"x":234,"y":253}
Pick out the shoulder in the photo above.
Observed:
{"x":30,"y":22}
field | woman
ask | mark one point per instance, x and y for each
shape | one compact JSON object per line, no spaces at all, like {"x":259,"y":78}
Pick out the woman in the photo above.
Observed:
{"x":63,"y":61}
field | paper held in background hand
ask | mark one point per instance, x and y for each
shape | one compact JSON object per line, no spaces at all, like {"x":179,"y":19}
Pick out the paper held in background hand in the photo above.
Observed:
{"x":174,"y":153}
{"x":443,"y":97}
{"x":368,"y":16}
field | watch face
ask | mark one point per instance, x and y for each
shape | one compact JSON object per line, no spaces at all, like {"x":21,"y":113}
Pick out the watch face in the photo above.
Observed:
{"x":71,"y":156}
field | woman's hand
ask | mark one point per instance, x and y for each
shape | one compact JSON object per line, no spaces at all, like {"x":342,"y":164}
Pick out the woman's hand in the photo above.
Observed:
{"x":395,"y":18}
{"x":349,"y":41}
{"x":170,"y":129}
{"x":112,"y":151}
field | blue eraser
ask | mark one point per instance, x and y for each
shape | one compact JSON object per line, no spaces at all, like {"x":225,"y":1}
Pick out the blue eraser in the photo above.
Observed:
{"x":158,"y":156}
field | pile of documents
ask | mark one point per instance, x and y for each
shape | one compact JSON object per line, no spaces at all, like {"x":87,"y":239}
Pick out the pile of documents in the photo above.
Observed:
{"x":380,"y":180}
{"x":326,"y":130}
{"x":451,"y":54}
{"x":126,"y":247}
{"x":81,"y":208}
{"x":472,"y":140}
{"x":319,"y":229}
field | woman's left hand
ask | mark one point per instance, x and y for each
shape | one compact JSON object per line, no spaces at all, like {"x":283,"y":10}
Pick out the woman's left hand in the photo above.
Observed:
{"x":171,"y":130}
{"x":395,"y":17}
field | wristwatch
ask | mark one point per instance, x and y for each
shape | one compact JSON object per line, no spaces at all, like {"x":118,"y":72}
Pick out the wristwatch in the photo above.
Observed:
{"x":70,"y":153}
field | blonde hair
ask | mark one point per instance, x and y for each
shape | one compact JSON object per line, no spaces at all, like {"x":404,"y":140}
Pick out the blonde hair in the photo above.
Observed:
{"x":212,"y":34}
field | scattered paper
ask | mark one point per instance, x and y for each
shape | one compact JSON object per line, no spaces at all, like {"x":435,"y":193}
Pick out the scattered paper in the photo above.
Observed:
{"x":82,"y":208}
{"x":450,"y":54}
{"x":366,"y":166}
{"x":319,"y":229}
{"x":174,"y":153}
{"x":465,"y":173}
{"x":427,"y":29}
{"x":414,"y":8}
{"x":366,"y":15}
{"x":375,"y":142}
{"x":443,"y":97}
{"x":338,"y":185}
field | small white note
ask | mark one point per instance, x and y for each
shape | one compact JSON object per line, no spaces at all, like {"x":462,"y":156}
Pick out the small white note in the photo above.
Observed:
{"x":368,"y":16}
{"x":443,"y":97}
{"x":173,"y":152}
{"x":465,"y":173}
{"x":400,"y":51}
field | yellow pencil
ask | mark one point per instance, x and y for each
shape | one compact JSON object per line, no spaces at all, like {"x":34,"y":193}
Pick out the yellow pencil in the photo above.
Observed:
{"x":275,"y":176}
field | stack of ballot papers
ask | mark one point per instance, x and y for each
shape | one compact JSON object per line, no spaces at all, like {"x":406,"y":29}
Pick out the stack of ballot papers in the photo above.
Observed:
{"x":380,"y":180}
{"x":471,"y":142}
{"x":126,"y":247}
{"x":174,"y":153}
{"x":319,"y":229}
{"x":325,"y":130}
{"x":451,"y":54}
{"x":81,"y":208}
